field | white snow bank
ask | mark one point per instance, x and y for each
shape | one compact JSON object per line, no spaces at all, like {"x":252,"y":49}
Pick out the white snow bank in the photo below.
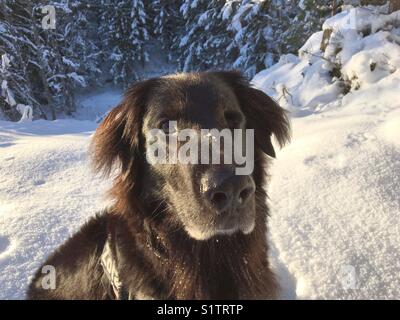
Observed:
{"x":378,"y":58}
{"x":298,"y":86}
{"x":363,"y":49}
{"x":371,"y":19}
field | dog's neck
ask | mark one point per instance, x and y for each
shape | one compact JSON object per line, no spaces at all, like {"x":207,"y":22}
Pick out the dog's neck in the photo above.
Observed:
{"x":223,"y":267}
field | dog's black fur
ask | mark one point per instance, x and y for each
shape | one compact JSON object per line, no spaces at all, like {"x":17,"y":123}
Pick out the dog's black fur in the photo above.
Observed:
{"x":163,"y":203}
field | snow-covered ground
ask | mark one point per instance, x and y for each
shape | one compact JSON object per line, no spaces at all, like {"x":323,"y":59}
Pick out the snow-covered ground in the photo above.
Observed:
{"x":46,"y":192}
{"x":335,"y":190}
{"x":335,"y":196}
{"x":94,"y":106}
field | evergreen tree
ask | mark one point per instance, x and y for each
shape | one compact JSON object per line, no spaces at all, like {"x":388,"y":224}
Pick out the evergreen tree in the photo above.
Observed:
{"x":44,"y":68}
{"x":83,"y":40}
{"x":167,"y":24}
{"x":254,"y":34}
{"x":18,"y":50}
{"x":58,"y":60}
{"x":98,"y":39}
{"x":308,"y":18}
{"x":124,"y":29}
{"x":206,"y":42}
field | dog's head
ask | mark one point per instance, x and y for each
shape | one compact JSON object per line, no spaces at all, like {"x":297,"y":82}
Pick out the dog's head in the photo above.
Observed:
{"x":207,"y":197}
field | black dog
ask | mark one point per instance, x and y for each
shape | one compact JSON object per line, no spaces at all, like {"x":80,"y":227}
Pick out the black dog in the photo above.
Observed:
{"x":175,"y":231}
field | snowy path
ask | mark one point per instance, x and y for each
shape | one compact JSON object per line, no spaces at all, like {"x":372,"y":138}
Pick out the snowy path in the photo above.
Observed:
{"x":334,"y":197}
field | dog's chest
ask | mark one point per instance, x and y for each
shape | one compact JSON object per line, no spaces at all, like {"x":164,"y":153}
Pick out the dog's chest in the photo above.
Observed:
{"x":204,"y":281}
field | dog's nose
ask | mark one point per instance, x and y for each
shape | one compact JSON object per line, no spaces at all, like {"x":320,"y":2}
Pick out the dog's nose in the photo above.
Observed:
{"x":227,"y":191}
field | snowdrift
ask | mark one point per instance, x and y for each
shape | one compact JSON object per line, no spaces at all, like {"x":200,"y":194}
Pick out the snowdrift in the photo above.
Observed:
{"x":335,"y":191}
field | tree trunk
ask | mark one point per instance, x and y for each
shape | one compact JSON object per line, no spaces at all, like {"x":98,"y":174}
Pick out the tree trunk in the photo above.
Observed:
{"x":394,"y":5}
{"x":335,"y":7}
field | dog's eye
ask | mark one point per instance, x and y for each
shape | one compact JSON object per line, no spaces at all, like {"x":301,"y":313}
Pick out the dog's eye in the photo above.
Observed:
{"x":167,"y":126}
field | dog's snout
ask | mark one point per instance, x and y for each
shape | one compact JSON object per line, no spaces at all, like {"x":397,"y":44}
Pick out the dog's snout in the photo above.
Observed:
{"x":219,"y":199}
{"x":227,"y":191}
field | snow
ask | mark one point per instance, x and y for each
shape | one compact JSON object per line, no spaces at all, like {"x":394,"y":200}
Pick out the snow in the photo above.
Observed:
{"x":298,"y":86}
{"x":362,"y":18}
{"x":305,"y":85}
{"x":77,"y":78}
{"x":377,"y":59}
{"x":227,"y":10}
{"x":46,"y":192}
{"x":236,"y":24}
{"x":5,"y":62}
{"x":334,"y":198}
{"x":334,"y":191}
{"x":25,"y":111}
{"x":312,"y":45}
{"x":335,"y":201}
{"x":93,"y":106}
{"x":7,"y":94}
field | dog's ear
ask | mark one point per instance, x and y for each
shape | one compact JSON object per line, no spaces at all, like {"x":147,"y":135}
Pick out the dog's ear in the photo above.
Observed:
{"x":262,"y":113}
{"x":116,"y":142}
